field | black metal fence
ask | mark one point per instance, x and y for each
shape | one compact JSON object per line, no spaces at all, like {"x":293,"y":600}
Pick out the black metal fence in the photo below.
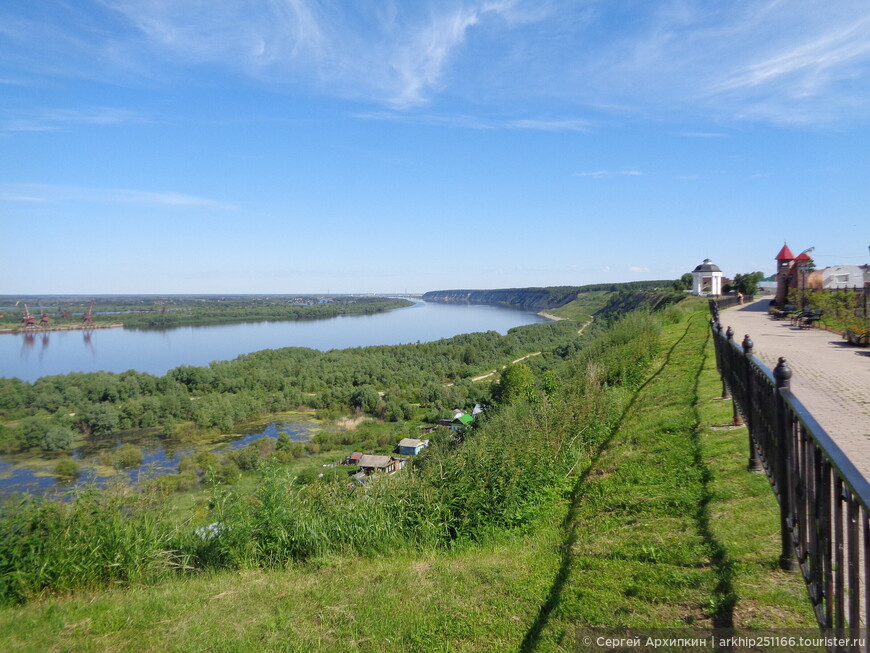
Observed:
{"x":729,"y":300}
{"x":823,"y":498}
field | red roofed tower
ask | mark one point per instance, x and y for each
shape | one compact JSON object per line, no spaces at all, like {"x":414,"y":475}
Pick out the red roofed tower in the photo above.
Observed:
{"x":784,"y":261}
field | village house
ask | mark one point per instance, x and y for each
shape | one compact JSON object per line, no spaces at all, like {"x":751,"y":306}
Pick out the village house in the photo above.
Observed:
{"x":461,"y":421}
{"x":412,"y":446}
{"x":369,"y":464}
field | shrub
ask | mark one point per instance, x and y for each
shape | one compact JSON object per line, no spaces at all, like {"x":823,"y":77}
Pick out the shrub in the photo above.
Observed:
{"x":283,"y":442}
{"x":128,"y":455}
{"x":246,"y":458}
{"x":66,"y":468}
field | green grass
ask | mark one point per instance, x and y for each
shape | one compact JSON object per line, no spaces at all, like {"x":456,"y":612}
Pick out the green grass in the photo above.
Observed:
{"x":476,"y":599}
{"x":583,"y":307}
{"x":664,"y":527}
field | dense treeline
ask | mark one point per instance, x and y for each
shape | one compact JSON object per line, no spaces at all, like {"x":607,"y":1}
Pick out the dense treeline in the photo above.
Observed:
{"x":629,"y":286}
{"x":155,"y":312}
{"x":246,"y":312}
{"x":51,"y":410}
{"x":498,"y":476}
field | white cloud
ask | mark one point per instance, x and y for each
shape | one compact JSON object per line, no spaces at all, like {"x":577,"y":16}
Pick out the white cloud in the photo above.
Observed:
{"x":52,"y":193}
{"x":702,"y":134}
{"x":389,"y":51}
{"x":635,"y":268}
{"x":11,"y":197}
{"x":54,"y":119}
{"x":801,"y":61}
{"x":552,"y":125}
{"x":476,"y":122}
{"x":604,"y":174}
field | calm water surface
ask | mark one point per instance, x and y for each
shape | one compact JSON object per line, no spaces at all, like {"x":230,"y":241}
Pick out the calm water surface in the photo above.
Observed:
{"x":30,"y":356}
{"x":159,"y":457}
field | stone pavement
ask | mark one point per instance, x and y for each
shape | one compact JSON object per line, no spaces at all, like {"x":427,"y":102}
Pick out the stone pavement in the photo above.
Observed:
{"x":829,"y":376}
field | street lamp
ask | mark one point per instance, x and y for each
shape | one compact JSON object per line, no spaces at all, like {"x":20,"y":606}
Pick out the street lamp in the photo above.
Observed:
{"x":802,"y":275}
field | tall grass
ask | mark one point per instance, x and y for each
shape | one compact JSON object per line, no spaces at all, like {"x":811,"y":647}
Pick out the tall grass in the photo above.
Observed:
{"x":98,"y":539}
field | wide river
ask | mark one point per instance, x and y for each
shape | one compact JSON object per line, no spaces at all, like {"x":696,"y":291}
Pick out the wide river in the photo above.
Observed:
{"x":30,"y":356}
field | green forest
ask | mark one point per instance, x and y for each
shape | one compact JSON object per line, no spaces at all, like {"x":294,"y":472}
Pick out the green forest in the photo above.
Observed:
{"x":153,"y":312}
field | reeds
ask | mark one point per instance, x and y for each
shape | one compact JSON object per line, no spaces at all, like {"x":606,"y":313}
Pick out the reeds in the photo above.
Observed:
{"x":98,"y":539}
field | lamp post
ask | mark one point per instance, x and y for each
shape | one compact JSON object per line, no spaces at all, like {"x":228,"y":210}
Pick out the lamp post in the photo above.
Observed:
{"x":802,"y":275}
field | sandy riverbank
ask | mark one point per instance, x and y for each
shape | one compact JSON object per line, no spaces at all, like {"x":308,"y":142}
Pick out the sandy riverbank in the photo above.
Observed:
{"x":65,"y":327}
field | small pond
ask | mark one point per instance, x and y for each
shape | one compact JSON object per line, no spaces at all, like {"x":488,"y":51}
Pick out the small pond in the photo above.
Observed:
{"x":160,"y":456}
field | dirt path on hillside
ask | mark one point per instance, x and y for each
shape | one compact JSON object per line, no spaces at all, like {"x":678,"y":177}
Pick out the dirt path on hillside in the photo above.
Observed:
{"x":489,"y":374}
{"x":536,"y":353}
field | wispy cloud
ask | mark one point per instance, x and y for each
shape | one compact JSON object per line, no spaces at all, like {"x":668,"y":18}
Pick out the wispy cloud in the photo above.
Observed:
{"x":806,"y":67}
{"x":702,"y":134}
{"x":451,"y":120}
{"x":801,"y":61}
{"x":55,"y":119}
{"x":396,"y":53}
{"x":45,"y":193}
{"x":478,"y":122}
{"x":604,"y":174}
{"x":637,"y":268}
{"x":12,"y":197}
{"x":552,"y":125}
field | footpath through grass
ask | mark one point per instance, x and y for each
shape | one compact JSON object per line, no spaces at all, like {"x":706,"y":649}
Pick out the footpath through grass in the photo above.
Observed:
{"x":665,"y":527}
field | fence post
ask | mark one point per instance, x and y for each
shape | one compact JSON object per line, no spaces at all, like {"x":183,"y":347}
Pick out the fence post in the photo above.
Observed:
{"x":782,"y":375}
{"x":738,"y":418}
{"x":726,"y":394}
{"x":754,"y":460}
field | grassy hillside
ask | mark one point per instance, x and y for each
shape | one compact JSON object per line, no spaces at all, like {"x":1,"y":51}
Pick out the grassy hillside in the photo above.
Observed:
{"x":583,"y":307}
{"x":652,"y":521}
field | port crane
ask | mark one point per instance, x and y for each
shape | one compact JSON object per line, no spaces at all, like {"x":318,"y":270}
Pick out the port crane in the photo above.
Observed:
{"x":27,"y":319}
{"x":44,"y":320}
{"x":88,"y":317}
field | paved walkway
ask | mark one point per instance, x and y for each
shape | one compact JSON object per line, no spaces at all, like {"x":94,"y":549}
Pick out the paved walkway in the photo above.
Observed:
{"x":830,"y":377}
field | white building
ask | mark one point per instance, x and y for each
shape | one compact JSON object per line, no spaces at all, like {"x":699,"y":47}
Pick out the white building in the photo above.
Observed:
{"x":842,"y":276}
{"x":707,"y":279}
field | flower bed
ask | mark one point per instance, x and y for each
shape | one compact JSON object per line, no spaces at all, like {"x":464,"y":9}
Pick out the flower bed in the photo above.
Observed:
{"x":858,"y":337}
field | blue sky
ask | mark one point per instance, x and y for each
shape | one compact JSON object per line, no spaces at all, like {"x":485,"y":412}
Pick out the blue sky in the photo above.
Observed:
{"x":280,"y":146}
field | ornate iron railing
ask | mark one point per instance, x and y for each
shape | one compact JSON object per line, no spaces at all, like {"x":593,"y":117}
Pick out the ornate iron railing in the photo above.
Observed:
{"x":823,"y":498}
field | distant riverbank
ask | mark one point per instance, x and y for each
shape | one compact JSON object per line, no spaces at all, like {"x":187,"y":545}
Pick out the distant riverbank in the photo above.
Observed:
{"x":152,"y":312}
{"x":63,"y":327}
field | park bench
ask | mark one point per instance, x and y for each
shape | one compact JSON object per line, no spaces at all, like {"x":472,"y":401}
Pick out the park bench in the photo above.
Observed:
{"x":782,"y":313}
{"x":811,"y":318}
{"x":798,"y":316}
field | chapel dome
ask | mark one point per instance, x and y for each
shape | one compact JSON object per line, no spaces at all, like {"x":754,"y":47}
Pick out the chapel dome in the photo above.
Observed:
{"x":707,"y":266}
